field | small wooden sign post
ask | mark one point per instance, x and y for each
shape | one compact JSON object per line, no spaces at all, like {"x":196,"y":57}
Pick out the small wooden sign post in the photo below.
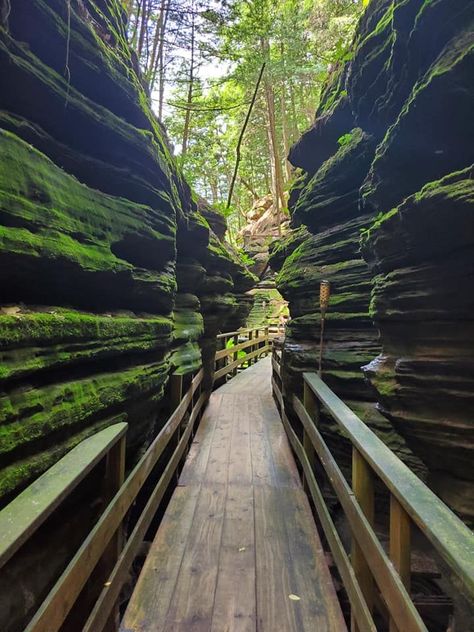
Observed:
{"x":324,"y":294}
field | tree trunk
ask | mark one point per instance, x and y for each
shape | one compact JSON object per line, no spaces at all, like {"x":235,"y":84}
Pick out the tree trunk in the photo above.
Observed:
{"x":277,"y":177}
{"x":189,"y":100}
{"x":143,"y":29}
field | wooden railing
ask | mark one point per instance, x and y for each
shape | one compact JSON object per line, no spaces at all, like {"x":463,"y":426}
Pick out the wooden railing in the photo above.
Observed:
{"x":256,"y":343}
{"x":369,"y":567}
{"x":106,"y":542}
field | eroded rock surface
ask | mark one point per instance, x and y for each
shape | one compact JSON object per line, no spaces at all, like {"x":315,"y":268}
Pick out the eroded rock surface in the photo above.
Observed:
{"x":389,"y":158}
{"x":112,"y":275}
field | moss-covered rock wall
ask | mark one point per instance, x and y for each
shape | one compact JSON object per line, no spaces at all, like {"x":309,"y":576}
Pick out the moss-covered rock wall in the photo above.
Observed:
{"x":385,"y":210}
{"x":111,"y":274}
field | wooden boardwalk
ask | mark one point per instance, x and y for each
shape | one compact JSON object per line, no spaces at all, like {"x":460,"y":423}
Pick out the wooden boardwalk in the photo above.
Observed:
{"x":237,"y":550}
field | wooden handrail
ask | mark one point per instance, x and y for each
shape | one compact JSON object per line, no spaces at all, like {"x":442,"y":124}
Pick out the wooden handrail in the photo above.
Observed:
{"x":448,"y":534}
{"x":258,"y":344}
{"x":410,"y":500}
{"x":53,"y":611}
{"x":27,"y":512}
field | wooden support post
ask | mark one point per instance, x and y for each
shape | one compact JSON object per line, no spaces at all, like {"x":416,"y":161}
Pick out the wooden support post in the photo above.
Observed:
{"x":267,"y":339}
{"x":236,"y":354}
{"x":113,"y":481}
{"x":251,"y":360}
{"x":176,"y":390}
{"x":311,"y":404}
{"x":176,"y":395}
{"x":400,"y":546}
{"x":363,"y":487}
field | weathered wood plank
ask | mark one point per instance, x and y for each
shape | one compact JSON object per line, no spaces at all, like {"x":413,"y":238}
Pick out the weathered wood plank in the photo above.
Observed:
{"x":252,"y":542}
{"x":235,"y":608}
{"x":192,"y":602}
{"x":157,"y":580}
{"x":20,"y":519}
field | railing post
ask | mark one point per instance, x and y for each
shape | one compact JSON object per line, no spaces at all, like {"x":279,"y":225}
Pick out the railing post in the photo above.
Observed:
{"x":251,"y":360}
{"x":363,"y":487}
{"x":176,"y":395}
{"x":400,"y":546}
{"x":113,"y":481}
{"x":311,"y":405}
{"x":267,"y":339}
{"x":236,"y":354}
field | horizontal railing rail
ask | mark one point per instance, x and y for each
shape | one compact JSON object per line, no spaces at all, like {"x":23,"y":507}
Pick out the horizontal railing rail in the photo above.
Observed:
{"x":257,"y":340}
{"x":26,"y":513}
{"x":411,"y":501}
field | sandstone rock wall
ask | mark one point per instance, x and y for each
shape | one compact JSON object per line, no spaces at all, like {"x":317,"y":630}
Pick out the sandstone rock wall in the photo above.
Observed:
{"x":104,"y":256}
{"x":111,"y":277}
{"x":389,"y":159}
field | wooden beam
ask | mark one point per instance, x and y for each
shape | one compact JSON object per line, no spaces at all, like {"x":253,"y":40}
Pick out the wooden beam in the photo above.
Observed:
{"x":400,"y":546}
{"x":363,"y":487}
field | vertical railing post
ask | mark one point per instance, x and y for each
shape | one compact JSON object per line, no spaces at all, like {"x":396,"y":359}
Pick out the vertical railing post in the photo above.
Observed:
{"x":400,"y":546}
{"x":267,"y":339}
{"x":236,"y":354}
{"x":257,"y":344}
{"x":311,"y":405}
{"x":176,"y":395}
{"x":113,"y":481}
{"x":250,"y":348}
{"x":363,"y":487}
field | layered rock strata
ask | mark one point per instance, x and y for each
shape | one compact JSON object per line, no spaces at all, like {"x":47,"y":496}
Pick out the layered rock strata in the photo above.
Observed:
{"x":110,"y":275}
{"x":389,"y":158}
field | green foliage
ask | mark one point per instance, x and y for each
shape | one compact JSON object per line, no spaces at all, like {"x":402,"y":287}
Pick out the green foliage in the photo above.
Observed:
{"x":345,"y":139}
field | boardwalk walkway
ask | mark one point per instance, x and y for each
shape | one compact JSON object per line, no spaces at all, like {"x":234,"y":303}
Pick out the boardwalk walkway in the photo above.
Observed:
{"x":237,"y":550}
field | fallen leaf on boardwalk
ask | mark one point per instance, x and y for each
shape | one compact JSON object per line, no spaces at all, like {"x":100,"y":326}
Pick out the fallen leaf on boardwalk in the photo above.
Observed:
{"x":294,"y":597}
{"x":107,"y":584}
{"x":242,"y":548}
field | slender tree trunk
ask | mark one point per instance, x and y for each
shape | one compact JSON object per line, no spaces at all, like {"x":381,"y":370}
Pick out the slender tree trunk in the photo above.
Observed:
{"x":278,"y":197}
{"x":284,"y":122}
{"x":241,"y":136}
{"x":143,"y":29}
{"x":189,"y":100}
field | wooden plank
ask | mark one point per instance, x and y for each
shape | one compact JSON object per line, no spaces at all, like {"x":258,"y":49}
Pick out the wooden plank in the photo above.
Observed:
{"x":311,"y":405}
{"x":230,"y":367}
{"x":449,"y":535}
{"x":158,"y":577}
{"x":222,"y":353}
{"x":198,"y":455}
{"x":235,"y":607}
{"x":240,"y":458}
{"x":283,"y":467}
{"x":219,"y":453}
{"x":191,"y":604}
{"x":400,"y":546}
{"x":294,"y":590}
{"x":24,"y":515}
{"x":363,"y":487}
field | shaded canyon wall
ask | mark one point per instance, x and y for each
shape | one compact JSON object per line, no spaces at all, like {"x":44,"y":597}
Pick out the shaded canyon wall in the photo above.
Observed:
{"x":112,"y":273}
{"x":383,"y":208}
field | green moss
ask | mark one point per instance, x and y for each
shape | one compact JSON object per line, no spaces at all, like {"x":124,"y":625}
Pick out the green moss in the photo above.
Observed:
{"x":30,"y":342}
{"x":28,"y":416}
